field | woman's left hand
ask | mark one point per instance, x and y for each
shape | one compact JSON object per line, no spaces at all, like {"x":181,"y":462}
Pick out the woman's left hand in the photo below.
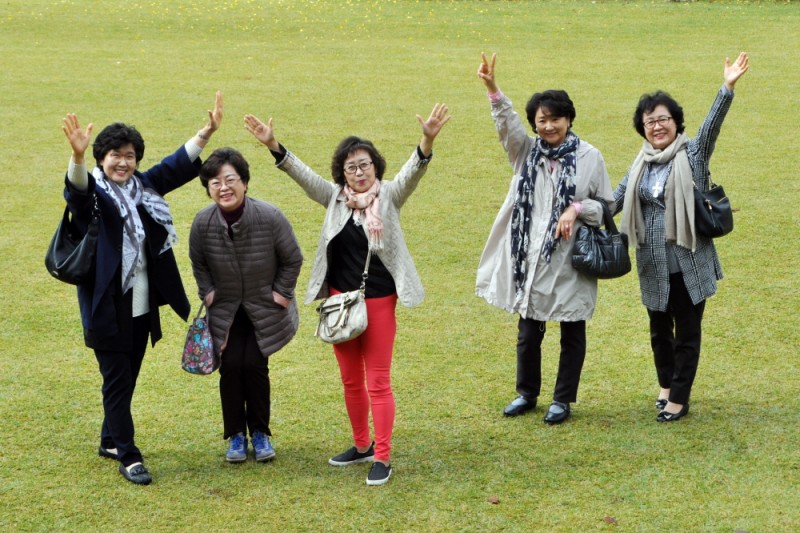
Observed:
{"x":566,"y":223}
{"x":280,"y":299}
{"x":734,"y":71}
{"x":214,"y":122}
{"x":215,"y":115}
{"x":432,"y":126}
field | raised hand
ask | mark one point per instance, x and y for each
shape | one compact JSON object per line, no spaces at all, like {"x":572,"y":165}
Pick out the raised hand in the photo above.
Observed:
{"x":734,"y":71}
{"x":215,"y":115}
{"x":261,"y":131}
{"x":486,"y":72}
{"x":432,"y":126}
{"x":78,"y":138}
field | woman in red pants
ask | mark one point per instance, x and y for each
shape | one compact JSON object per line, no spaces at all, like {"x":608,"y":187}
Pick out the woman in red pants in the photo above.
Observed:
{"x":363,"y":214}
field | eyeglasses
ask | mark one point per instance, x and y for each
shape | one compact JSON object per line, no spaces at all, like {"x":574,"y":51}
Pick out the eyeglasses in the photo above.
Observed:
{"x":661,"y":121}
{"x":229,"y":182}
{"x":363,"y":166}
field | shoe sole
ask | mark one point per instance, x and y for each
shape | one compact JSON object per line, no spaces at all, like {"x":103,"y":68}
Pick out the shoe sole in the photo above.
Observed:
{"x":378,"y":482}
{"x":518,"y":413}
{"x":266,"y":458}
{"x":369,"y":459}
{"x":236,"y":459}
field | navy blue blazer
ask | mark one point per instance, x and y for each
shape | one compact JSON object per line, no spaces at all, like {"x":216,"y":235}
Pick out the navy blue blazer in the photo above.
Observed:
{"x":106,"y":313}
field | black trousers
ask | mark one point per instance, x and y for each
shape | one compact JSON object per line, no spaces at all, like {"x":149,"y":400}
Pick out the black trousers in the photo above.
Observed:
{"x":529,"y":359}
{"x":675,"y":336}
{"x":120,"y":370}
{"x":244,"y":381}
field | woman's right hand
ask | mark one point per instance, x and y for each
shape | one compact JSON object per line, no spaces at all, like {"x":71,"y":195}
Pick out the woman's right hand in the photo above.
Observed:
{"x":262,"y":132}
{"x":486,"y":72}
{"x":734,"y":71}
{"x":209,"y":299}
{"x":78,"y":138}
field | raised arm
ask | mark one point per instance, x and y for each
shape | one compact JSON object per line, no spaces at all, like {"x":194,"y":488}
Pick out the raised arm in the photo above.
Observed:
{"x":316,"y":187}
{"x":432,"y":126}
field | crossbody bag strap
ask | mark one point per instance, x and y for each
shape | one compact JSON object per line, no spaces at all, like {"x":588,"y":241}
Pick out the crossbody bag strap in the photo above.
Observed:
{"x":366,"y":271}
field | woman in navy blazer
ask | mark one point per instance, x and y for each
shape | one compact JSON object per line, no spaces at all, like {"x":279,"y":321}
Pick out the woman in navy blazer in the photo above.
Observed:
{"x":135,"y":272}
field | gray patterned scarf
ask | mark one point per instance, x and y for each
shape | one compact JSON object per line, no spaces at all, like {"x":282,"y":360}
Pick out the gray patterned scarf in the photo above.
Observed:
{"x":126,"y":197}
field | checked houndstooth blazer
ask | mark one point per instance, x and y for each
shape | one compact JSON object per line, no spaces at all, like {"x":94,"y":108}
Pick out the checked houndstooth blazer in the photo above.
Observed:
{"x":701,"y":269}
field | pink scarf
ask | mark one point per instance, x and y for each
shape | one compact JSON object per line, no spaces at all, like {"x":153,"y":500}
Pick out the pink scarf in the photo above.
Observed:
{"x":366,"y":206}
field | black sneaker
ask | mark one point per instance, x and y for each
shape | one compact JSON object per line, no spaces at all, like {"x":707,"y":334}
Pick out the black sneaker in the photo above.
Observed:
{"x":379,"y":473}
{"x":353,"y":457}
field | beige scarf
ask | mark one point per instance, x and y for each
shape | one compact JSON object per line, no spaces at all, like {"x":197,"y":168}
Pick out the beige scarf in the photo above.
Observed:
{"x":678,"y":195}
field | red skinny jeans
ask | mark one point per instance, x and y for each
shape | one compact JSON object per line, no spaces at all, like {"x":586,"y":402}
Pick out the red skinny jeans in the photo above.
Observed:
{"x":365,"y":364}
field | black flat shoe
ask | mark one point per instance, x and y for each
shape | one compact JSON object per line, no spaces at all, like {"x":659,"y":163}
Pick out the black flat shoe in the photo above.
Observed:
{"x":661,"y":403}
{"x":557,"y":413}
{"x":664,"y":416}
{"x":519,"y":405}
{"x":137,"y":474}
{"x":106,"y":452}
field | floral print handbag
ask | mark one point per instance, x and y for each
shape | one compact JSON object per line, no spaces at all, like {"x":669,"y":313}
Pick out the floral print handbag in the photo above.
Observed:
{"x":199,"y":356}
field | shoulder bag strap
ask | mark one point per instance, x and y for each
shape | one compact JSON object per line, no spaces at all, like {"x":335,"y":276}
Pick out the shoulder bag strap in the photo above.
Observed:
{"x":366,"y":271}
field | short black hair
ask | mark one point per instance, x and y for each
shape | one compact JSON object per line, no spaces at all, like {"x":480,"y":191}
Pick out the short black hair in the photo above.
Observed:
{"x":650,"y":101}
{"x":220,"y":157}
{"x":347,"y":147}
{"x":555,"y":101}
{"x":116,"y":136}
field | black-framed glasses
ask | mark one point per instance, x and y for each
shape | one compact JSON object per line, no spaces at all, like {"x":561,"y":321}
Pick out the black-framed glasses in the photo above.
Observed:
{"x":363,"y":166}
{"x":229,"y":182}
{"x":661,"y":121}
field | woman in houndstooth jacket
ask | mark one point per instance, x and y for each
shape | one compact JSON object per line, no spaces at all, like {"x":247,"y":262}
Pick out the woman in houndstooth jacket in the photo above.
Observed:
{"x":678,"y":269}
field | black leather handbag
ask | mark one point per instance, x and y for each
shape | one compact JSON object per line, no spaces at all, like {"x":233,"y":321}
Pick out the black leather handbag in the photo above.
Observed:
{"x":71,"y":256}
{"x":601,"y":253}
{"x":713,"y":216}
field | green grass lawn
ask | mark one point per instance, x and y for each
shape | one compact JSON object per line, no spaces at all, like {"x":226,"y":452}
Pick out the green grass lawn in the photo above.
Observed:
{"x":325,"y":70}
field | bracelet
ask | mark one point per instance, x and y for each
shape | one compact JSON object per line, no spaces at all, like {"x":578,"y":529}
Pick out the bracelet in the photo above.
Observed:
{"x":578,"y":207}
{"x":204,"y":137}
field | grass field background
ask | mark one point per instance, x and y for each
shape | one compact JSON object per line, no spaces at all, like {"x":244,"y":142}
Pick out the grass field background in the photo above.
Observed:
{"x":325,"y":70}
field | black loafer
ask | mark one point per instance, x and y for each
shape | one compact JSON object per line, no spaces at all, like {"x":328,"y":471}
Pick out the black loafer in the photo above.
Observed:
{"x":664,"y":416}
{"x":661,"y":403}
{"x":557,"y":413}
{"x":105,"y":452}
{"x":137,"y":474}
{"x":519,"y":405}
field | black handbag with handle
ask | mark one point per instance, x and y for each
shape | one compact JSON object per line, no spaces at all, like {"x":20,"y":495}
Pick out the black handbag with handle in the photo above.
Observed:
{"x":71,"y":256}
{"x":601,"y":253}
{"x":713,"y":216}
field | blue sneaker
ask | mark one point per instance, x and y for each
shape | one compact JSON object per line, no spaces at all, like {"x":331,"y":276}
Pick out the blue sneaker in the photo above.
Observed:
{"x":262,"y":447}
{"x":237,"y":451}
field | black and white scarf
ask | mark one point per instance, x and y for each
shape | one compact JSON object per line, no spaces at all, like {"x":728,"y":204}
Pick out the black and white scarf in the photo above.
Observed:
{"x":126,"y":197}
{"x":523,"y":202}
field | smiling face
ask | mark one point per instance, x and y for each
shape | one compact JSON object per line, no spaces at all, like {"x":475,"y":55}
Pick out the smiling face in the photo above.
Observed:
{"x":359,"y":171}
{"x":553,"y":130}
{"x":119,"y":163}
{"x":657,"y":134}
{"x":227,"y":188}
